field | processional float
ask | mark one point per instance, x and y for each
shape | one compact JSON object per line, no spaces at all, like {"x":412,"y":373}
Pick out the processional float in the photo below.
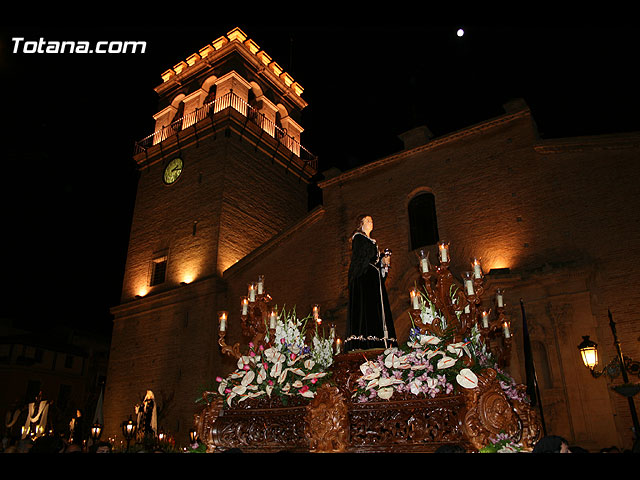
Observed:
{"x":294,"y":390}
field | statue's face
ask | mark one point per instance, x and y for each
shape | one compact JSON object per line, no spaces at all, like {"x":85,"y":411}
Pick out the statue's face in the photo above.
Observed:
{"x":367,"y":224}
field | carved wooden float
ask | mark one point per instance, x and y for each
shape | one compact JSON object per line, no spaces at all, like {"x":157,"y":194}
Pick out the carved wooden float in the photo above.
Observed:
{"x":334,"y":422}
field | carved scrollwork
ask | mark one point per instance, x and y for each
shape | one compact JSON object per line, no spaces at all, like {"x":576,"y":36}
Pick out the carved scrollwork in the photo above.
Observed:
{"x":205,"y":419}
{"x":327,"y":421}
{"x":489,"y":412}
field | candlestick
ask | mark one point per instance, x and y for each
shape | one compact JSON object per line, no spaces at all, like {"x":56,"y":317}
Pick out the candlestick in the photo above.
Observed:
{"x":252,"y":292}
{"x":500,"y":297}
{"x":467,"y":277}
{"x":443,"y":248}
{"x":338,"y":345}
{"x":485,"y":319}
{"x":273,"y":318}
{"x":415,"y":301}
{"x":507,"y":333}
{"x":222,"y":317}
{"x":477,"y":269}
{"x":424,"y":261}
{"x":245,"y":305}
{"x":260,"y":284}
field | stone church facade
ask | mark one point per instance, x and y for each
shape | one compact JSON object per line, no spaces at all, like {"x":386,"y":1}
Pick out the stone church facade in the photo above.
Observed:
{"x":554,"y":222}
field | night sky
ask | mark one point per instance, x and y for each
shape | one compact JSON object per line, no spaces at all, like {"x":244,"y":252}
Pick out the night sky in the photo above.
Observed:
{"x":70,"y":121}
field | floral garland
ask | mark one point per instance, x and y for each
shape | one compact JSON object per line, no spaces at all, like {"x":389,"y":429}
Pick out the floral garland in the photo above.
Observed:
{"x":287,"y":368}
{"x":429,"y":365}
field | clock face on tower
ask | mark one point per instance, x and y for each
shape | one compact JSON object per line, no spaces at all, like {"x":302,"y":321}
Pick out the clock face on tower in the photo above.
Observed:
{"x":172,"y":171}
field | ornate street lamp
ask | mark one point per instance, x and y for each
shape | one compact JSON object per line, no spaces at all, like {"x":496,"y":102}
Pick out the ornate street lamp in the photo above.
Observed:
{"x":128,"y":430}
{"x":95,"y":431}
{"x":589,"y":352}
{"x":620,"y":365}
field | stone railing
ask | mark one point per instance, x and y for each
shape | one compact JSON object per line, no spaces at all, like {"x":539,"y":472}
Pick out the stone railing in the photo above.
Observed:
{"x":230,"y":100}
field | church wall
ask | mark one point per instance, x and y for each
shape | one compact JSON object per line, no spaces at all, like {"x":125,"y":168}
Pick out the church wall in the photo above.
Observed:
{"x":564,"y":221}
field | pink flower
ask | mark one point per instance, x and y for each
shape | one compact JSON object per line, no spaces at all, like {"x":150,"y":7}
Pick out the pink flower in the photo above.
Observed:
{"x":261,"y":347}
{"x":247,"y":368}
{"x":227,"y":390}
{"x":250,"y":344}
{"x":314,"y":380}
{"x":304,"y":389}
{"x":252,"y":353}
{"x":270,"y":382}
{"x":218,"y":379}
{"x":293,"y":356}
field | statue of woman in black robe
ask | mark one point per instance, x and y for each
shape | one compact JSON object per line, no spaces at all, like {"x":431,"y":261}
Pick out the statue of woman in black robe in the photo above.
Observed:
{"x":369,"y":320}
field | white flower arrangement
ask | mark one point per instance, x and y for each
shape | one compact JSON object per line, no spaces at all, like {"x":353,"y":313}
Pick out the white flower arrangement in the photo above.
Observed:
{"x":287,"y":367}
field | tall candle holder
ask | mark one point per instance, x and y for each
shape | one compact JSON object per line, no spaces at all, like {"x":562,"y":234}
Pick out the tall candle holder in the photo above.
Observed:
{"x":256,"y":319}
{"x":458,"y":306}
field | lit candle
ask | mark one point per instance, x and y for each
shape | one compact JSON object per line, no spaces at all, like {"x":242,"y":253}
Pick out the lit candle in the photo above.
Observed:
{"x":500,"y":297}
{"x":443,"y":248}
{"x":223,"y":321}
{"x":338,"y":345}
{"x":316,"y":312}
{"x":252,"y":292}
{"x":424,"y":262}
{"x":485,"y":319}
{"x":415,"y":301}
{"x":260,"y":284}
{"x":245,"y":305}
{"x":507,"y":333}
{"x":468,"y":282}
{"x":273,"y":318}
{"x":477,"y":269}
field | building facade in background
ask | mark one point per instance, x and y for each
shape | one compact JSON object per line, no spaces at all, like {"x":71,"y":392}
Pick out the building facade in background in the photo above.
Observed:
{"x":223,"y":198}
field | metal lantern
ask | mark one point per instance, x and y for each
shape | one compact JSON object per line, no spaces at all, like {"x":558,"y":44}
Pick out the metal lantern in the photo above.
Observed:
{"x":589,"y":352}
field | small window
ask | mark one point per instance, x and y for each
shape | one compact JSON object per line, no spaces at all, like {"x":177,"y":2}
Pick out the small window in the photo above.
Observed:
{"x":423,"y":225}
{"x":158,"y":270}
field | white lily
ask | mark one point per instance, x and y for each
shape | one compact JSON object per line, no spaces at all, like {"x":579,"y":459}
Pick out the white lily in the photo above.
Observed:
{"x":369,"y":370}
{"x":248,"y":378}
{"x":239,"y":389}
{"x":311,"y":376}
{"x":415,"y":386}
{"x":308,"y":394}
{"x":308,"y":364}
{"x":222,"y":387}
{"x":276,"y":370}
{"x":386,"y":382}
{"x":392,"y":361}
{"x":445,"y":362}
{"x":467,"y":379}
{"x":429,"y":340}
{"x":385,"y":393}
{"x":262,"y":375}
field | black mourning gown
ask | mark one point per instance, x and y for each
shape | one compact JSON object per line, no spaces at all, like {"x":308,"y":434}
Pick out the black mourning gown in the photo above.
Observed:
{"x":369,"y":320}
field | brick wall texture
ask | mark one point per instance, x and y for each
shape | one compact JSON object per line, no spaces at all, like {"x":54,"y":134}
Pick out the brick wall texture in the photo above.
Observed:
{"x":561,"y":215}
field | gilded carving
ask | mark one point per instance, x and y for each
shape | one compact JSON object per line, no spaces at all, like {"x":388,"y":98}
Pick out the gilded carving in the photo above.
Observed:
{"x":327,"y":421}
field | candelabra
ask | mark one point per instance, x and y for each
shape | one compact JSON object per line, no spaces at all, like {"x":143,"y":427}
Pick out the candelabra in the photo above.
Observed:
{"x":258,"y":320}
{"x":458,"y":307}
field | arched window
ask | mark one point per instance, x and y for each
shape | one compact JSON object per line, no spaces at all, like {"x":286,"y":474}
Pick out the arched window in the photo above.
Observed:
{"x":423,"y":225}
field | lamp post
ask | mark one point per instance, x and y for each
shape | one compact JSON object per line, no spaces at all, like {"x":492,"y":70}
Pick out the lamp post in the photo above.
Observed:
{"x":619,"y":365}
{"x":95,"y":431}
{"x":128,"y":430}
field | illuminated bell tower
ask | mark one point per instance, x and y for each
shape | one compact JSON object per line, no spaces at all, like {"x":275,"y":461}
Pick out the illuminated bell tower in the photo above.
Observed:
{"x":222,"y":173}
